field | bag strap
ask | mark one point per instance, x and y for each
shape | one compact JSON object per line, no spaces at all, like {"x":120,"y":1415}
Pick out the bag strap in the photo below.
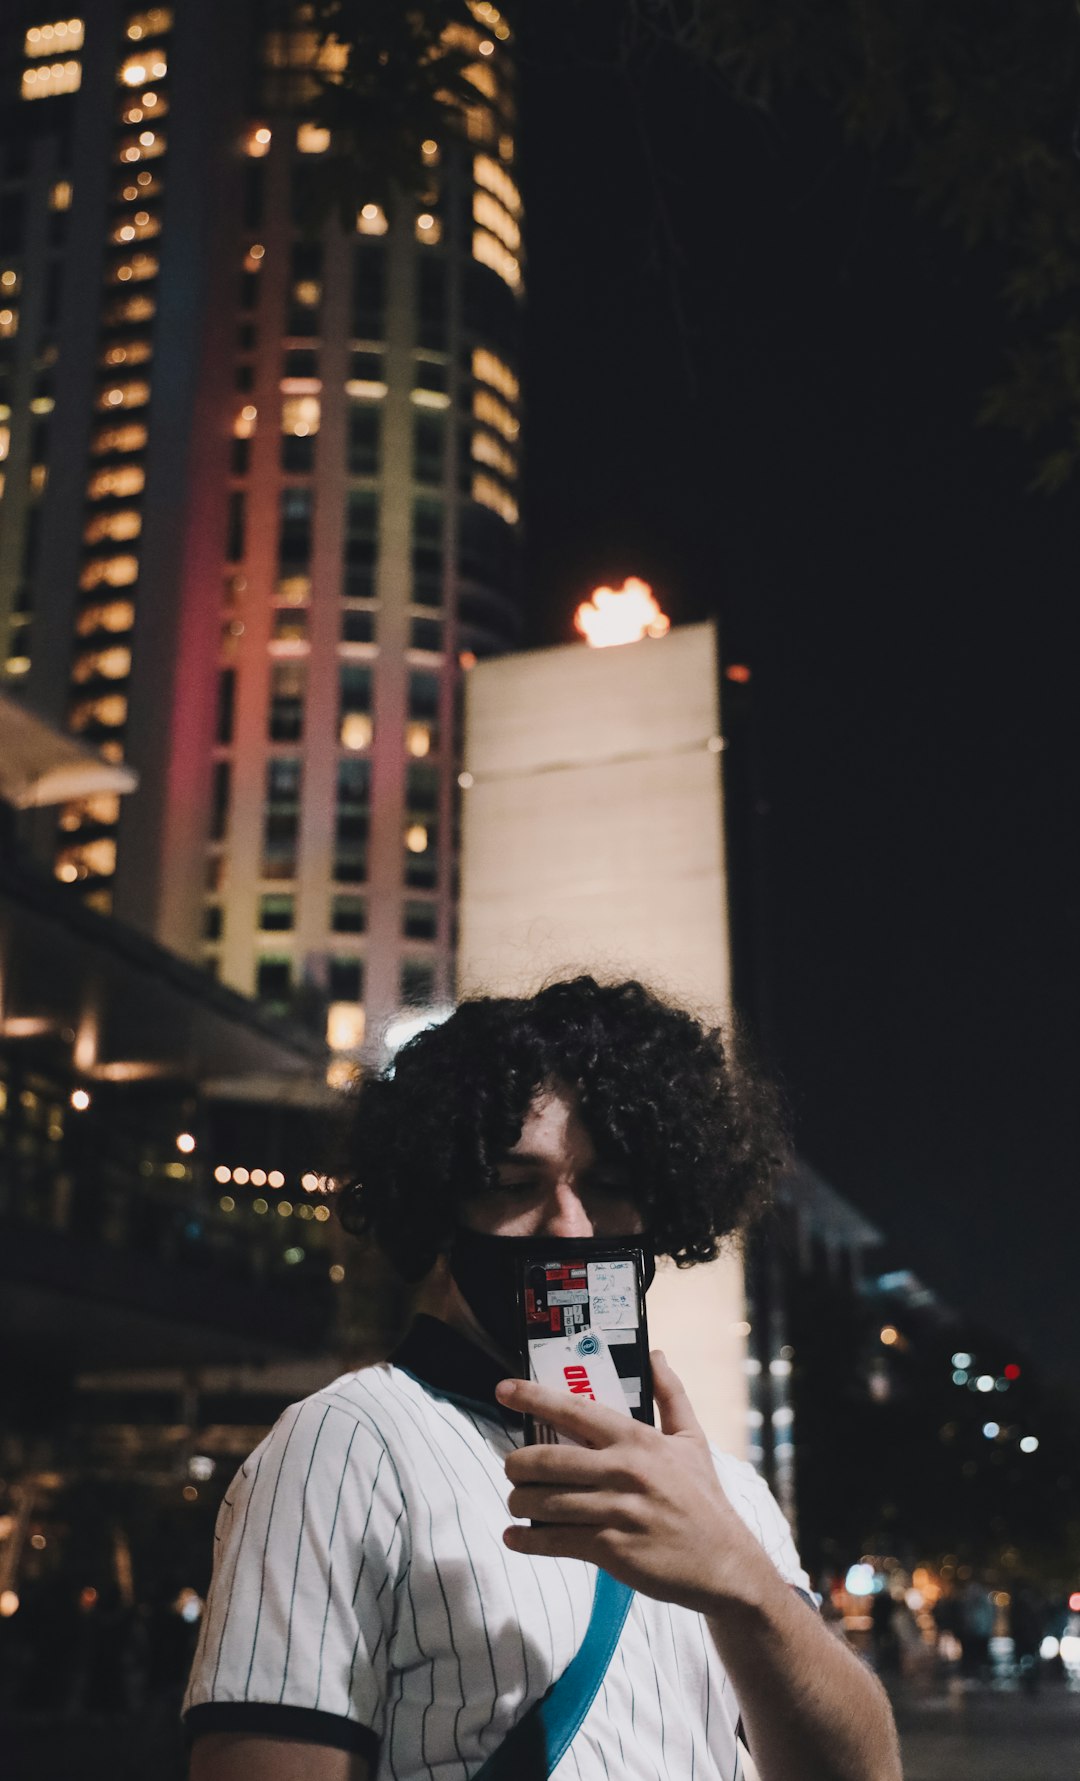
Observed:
{"x":540,"y":1739}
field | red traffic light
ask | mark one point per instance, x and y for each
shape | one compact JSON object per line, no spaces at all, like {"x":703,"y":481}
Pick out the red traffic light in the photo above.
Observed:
{"x":1012,"y":1371}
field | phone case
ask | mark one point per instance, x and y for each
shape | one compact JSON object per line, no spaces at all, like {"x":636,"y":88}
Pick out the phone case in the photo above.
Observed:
{"x":583,"y":1329}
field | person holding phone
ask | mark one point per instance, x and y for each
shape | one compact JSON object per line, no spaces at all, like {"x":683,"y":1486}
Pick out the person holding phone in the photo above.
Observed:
{"x":404,"y":1588}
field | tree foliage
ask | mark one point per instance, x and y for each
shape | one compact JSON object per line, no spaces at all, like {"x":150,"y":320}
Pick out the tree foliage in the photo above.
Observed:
{"x":980,"y":102}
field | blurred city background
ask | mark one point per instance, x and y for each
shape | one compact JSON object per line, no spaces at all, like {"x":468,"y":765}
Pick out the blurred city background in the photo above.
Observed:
{"x":354,"y":452}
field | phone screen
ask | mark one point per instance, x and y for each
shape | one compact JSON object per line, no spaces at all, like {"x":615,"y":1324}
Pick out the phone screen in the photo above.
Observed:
{"x":583,"y":1329}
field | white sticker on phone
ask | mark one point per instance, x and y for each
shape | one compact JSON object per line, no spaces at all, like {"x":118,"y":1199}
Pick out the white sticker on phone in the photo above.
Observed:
{"x":579,"y":1364}
{"x":613,"y":1295}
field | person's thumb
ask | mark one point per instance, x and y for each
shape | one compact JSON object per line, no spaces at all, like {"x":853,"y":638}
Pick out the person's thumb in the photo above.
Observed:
{"x":676,"y":1411}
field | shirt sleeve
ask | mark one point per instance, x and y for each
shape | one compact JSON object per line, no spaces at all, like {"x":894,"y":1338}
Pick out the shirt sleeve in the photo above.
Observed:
{"x":749,"y":1494}
{"x":309,"y":1543}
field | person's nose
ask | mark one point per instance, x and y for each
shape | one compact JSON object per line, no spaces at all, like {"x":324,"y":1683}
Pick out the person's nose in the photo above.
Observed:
{"x":565,"y":1214}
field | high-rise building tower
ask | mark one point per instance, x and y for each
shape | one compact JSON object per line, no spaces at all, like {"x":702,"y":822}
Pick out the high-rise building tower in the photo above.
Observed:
{"x":259,"y":503}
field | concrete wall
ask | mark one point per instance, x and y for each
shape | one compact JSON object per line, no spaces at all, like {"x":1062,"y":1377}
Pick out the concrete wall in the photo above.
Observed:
{"x":592,"y":839}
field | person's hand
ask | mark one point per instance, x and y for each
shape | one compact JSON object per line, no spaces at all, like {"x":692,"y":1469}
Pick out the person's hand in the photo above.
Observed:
{"x":645,"y":1504}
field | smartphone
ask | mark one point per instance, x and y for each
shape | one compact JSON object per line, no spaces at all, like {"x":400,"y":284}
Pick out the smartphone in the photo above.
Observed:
{"x":583,"y":1328}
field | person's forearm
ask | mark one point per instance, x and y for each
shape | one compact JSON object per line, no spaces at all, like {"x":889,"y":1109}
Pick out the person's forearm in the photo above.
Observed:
{"x":811,"y":1711}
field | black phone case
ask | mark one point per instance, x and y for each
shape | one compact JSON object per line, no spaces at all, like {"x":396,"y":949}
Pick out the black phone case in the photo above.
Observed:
{"x":538,"y":1317}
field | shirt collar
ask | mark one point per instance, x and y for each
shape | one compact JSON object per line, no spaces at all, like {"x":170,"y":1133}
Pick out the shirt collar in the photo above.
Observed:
{"x":447,"y":1362}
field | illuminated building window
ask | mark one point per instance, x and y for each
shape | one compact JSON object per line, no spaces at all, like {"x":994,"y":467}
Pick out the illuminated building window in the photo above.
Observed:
{"x":421,"y":867}
{"x":135,"y":270}
{"x":147,"y":146}
{"x":491,"y":494}
{"x":121,"y":526}
{"x":371,"y":220}
{"x":140,"y":227}
{"x":357,"y":625}
{"x":125,"y":479}
{"x":107,"y":713}
{"x":91,"y":859}
{"x":345,"y":1028}
{"x":489,"y":213}
{"x":428,"y":229}
{"x":419,"y":740}
{"x":100,"y":812}
{"x":420,"y":920}
{"x":154,"y":106}
{"x":417,"y":982}
{"x":39,"y":478}
{"x":50,"y":78}
{"x":489,"y":251}
{"x":244,"y":424}
{"x":148,"y":65}
{"x":129,"y":438}
{"x":287,"y":701}
{"x":300,"y":415}
{"x":131,"y":352}
{"x":480,"y":124}
{"x":354,"y":705}
{"x":348,"y":914}
{"x":104,"y":664}
{"x":493,"y":413}
{"x":486,"y":450}
{"x":112,"y":615}
{"x":9,"y":323}
{"x":5,"y":442}
{"x":48,"y":40}
{"x":277,"y":913}
{"x":153,"y":23}
{"x":60,"y":194}
{"x":312,"y":139}
{"x":130,"y":309}
{"x":257,"y":141}
{"x":495,"y":179}
{"x":487,"y":368}
{"x":290,"y":624}
{"x":113,"y":571}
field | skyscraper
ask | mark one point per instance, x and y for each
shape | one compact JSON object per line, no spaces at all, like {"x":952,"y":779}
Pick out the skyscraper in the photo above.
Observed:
{"x":259,"y":505}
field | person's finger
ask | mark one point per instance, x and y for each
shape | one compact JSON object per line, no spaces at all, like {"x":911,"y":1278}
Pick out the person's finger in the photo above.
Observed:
{"x":577,"y":1416}
{"x":572,"y":1508}
{"x":553,"y":1463}
{"x":553,"y":1542}
{"x":676,"y":1411}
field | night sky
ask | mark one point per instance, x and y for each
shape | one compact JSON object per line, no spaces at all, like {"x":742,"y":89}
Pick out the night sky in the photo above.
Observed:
{"x":752,"y":375}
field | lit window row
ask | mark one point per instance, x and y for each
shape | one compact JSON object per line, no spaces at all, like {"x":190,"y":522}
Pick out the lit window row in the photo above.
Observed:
{"x":46,"y":40}
{"x":130,"y":352}
{"x":102,"y":810}
{"x":493,"y":413}
{"x":490,"y":493}
{"x":112,"y":571}
{"x":489,"y":251}
{"x":153,"y":23}
{"x":495,"y":179}
{"x":135,"y":270}
{"x":91,"y":859}
{"x":487,"y":368}
{"x":371,"y":220}
{"x":51,"y":78}
{"x":112,"y":615}
{"x":106,"y":664}
{"x":490,"y":215}
{"x":135,"y":394}
{"x":300,"y":415}
{"x":127,"y":438}
{"x":491,"y":18}
{"x":146,"y":146}
{"x":486,"y":450}
{"x":141,"y":227}
{"x":107,"y":713}
{"x":121,"y":525}
{"x":122,"y":479}
{"x":137,"y":70}
{"x":133,"y":308}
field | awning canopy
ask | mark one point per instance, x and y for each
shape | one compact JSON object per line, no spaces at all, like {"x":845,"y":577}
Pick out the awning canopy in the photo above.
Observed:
{"x":41,"y":765}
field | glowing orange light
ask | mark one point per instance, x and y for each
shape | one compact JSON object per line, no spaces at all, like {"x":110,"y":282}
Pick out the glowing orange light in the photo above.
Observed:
{"x":890,"y":1336}
{"x":621,"y":615}
{"x":738,"y":672}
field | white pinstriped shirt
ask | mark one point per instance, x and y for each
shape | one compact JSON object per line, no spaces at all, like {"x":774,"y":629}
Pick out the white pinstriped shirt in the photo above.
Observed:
{"x":363,"y":1598}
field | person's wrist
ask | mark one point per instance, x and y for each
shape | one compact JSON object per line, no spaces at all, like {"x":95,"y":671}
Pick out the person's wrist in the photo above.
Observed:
{"x":747,"y":1586}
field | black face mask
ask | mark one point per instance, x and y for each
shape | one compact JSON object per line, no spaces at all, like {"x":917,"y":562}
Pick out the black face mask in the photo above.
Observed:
{"x":485,"y":1269}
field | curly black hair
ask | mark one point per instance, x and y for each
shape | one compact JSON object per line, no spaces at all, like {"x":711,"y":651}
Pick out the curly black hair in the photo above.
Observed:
{"x":699,"y":1134}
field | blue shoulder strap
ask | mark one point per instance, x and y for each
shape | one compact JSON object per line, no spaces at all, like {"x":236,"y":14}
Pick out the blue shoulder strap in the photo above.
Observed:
{"x":541,"y":1738}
